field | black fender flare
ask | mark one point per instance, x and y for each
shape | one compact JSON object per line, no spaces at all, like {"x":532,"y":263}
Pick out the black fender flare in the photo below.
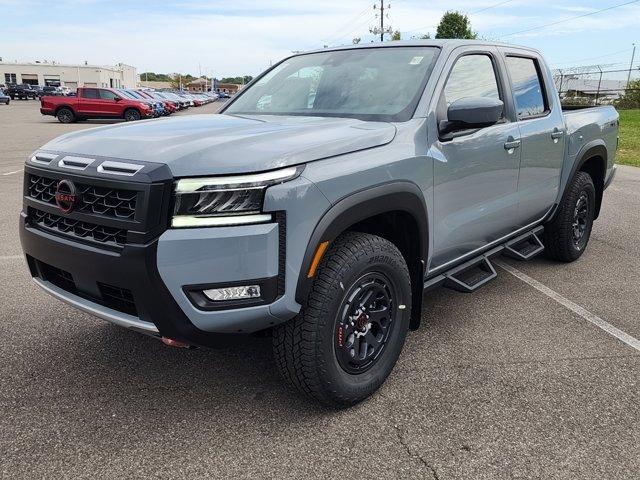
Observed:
{"x":394,"y":196}
{"x":595,"y":148}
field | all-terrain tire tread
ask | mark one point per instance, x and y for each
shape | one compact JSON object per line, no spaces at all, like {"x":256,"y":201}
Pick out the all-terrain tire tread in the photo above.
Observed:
{"x":557,"y":236}
{"x":297,"y":349}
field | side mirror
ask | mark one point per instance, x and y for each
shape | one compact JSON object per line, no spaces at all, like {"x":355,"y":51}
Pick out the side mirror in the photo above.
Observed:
{"x":117,"y":99}
{"x":472,"y":112}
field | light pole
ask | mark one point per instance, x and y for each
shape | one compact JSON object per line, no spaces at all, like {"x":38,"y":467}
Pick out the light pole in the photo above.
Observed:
{"x":633,"y":57}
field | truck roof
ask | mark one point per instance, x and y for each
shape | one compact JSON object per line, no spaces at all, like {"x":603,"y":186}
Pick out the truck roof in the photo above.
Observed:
{"x":445,"y":44}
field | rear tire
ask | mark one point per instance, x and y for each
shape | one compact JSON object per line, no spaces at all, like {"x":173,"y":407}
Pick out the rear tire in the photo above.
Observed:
{"x":566,"y":237}
{"x":131,"y":115}
{"x":348,"y":336}
{"x":65,"y":115}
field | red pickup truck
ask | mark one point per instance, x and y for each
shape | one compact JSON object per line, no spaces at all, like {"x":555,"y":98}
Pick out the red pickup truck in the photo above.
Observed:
{"x":95,"y":103}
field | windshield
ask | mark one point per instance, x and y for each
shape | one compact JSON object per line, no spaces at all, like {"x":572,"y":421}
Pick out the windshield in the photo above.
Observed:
{"x":127,"y":94}
{"x":368,"y":83}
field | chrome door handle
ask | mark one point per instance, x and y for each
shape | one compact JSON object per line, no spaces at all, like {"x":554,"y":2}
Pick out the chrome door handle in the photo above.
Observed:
{"x":556,"y":134}
{"x":511,"y":144}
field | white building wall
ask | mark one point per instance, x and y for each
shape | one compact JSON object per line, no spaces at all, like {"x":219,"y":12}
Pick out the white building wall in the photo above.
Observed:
{"x":73,"y":76}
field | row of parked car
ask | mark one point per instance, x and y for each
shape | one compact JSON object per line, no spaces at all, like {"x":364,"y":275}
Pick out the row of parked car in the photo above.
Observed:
{"x":26,"y":91}
{"x":127,"y":104}
{"x":180,"y":99}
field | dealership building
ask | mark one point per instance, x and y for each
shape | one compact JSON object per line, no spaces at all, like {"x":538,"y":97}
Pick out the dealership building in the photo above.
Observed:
{"x":72,"y":76}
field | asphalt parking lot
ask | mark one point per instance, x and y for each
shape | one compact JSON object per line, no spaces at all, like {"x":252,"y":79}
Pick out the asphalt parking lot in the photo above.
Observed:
{"x":507,"y":382}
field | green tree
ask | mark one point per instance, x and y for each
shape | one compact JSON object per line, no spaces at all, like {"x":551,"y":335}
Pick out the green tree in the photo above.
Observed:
{"x":237,"y":80}
{"x":455,"y":25}
{"x":631,"y":96}
{"x":396,"y":35}
{"x":155,"y":77}
{"x":176,"y":78}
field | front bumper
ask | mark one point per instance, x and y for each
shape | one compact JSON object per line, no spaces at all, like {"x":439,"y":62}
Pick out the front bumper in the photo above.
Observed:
{"x":126,"y":267}
{"x":153,"y":279}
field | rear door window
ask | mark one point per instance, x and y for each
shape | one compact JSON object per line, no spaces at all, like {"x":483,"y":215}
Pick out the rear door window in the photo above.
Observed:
{"x":90,"y":93}
{"x":527,"y":87}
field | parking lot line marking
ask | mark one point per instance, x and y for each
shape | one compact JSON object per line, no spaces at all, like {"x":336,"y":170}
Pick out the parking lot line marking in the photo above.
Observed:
{"x":11,"y":173}
{"x":574,"y":307}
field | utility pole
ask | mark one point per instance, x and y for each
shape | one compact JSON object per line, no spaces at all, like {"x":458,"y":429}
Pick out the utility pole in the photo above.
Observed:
{"x":633,"y":57}
{"x":381,"y":30}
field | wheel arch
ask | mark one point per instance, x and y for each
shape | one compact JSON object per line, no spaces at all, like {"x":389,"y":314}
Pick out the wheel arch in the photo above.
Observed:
{"x":64,"y":105}
{"x":592,"y":159}
{"x":402,"y":212}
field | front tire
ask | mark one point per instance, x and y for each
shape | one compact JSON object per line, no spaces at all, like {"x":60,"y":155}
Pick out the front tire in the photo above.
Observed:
{"x":566,"y":237}
{"x":65,"y":115}
{"x":348,"y":336}
{"x":132,"y":115}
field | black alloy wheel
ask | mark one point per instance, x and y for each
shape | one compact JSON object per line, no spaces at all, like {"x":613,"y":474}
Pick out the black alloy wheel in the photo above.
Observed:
{"x":65,"y":115}
{"x":365,"y":322}
{"x":581,"y":220}
{"x":132,"y":115}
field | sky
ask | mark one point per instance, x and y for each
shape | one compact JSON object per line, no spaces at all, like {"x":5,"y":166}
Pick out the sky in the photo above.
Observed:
{"x":237,"y":37}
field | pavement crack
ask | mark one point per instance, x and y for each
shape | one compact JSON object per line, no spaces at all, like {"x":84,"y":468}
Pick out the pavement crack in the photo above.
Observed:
{"x":416,"y":456}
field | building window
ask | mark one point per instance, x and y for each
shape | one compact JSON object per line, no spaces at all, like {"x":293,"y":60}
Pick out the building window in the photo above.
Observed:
{"x":9,"y":78}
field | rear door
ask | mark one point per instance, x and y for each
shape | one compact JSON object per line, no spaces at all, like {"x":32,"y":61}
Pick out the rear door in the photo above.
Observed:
{"x":88,"y":103}
{"x":476,"y":172}
{"x":543,"y":134}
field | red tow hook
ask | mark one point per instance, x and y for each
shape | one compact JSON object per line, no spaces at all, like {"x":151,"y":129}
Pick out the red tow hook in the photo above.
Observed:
{"x":175,"y":343}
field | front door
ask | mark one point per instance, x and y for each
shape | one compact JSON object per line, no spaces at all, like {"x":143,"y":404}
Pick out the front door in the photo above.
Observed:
{"x":476,"y":172}
{"x":108,"y":103}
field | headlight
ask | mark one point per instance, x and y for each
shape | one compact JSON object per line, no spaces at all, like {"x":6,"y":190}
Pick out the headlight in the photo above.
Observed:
{"x":218,"y":201}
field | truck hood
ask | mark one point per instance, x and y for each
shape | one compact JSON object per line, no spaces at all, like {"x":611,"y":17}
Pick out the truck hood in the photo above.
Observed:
{"x":222,"y":144}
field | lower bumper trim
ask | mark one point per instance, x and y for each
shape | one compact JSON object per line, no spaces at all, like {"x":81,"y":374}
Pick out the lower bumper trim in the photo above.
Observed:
{"x":112,"y":316}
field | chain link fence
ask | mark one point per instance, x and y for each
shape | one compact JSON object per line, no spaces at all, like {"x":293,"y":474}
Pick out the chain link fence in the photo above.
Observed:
{"x":598,"y":85}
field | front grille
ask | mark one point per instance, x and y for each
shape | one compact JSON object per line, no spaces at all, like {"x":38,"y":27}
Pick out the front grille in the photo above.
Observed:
{"x":83,"y":230}
{"x":108,"y":202}
{"x":117,"y":298}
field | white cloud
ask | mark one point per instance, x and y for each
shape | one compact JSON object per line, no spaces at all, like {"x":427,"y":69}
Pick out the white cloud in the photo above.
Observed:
{"x":243,"y":36}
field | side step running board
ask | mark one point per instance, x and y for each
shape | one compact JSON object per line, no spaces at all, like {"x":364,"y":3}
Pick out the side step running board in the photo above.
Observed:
{"x":525,"y":247}
{"x":470,"y":276}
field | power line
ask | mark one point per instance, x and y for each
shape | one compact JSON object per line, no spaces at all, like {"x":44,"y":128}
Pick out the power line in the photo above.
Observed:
{"x":354,"y":27}
{"x":491,"y":6}
{"x":351,"y":21}
{"x":569,"y":19}
{"x":606,"y":55}
{"x":495,"y":5}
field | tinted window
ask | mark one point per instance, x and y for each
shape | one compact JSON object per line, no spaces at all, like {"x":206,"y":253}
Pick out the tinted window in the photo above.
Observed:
{"x":107,"y":95}
{"x":367,"y":83}
{"x":527,"y":87}
{"x":90,"y":93}
{"x":471,"y":76}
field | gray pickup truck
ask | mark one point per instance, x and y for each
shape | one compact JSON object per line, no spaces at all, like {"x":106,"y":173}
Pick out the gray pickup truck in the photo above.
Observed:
{"x":321,"y":204}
